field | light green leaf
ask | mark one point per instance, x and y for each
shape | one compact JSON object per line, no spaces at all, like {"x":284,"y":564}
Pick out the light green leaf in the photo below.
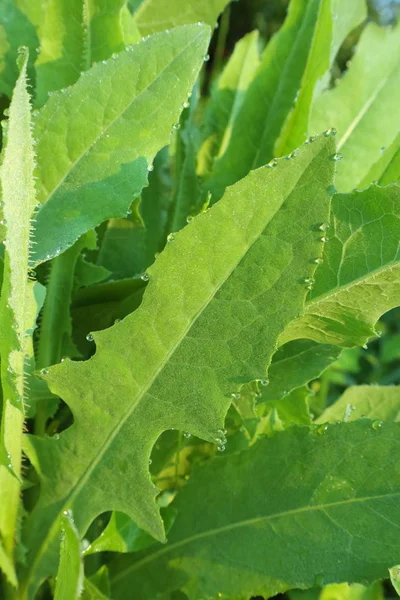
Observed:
{"x":357,"y":110}
{"x":340,"y":591}
{"x":98,"y":166}
{"x":371,"y":401}
{"x":277,"y":415}
{"x":123,"y":535}
{"x":7,"y":567}
{"x":160,"y":15}
{"x":17,"y":304}
{"x":73,"y":35}
{"x":336,"y":19}
{"x":204,"y":330}
{"x":226,"y":99}
{"x":294,"y":63}
{"x":387,"y":168}
{"x":356,"y":284}
{"x":268,"y":98}
{"x":315,"y":514}
{"x":69,"y":580}
{"x":394,"y":573}
{"x":15,"y":30}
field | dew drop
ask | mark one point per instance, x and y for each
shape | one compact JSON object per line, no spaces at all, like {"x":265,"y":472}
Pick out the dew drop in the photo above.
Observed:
{"x":221,"y":447}
{"x":337,"y":156}
{"x":324,"y":239}
{"x":272,"y":163}
{"x":264,"y":382}
{"x":235,"y":395}
{"x":150,"y":168}
{"x":90,"y":337}
{"x":322,"y":429}
{"x":292,"y":155}
{"x":331,"y":132}
{"x":176,"y":126}
{"x":309,"y":280}
{"x":170,"y":237}
{"x":377,"y":425}
{"x":311,"y":139}
{"x":186,"y":104}
{"x":150,"y":461}
{"x":318,"y":261}
{"x":324,"y":226}
{"x":365,"y":346}
{"x":56,"y":436}
{"x":187,"y":434}
{"x":206,"y":58}
{"x":189,"y":219}
{"x":44,"y":371}
{"x":117,"y":321}
{"x":145,"y":277}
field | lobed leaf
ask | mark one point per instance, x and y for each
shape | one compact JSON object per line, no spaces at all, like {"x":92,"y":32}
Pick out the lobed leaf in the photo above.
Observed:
{"x":209,"y":321}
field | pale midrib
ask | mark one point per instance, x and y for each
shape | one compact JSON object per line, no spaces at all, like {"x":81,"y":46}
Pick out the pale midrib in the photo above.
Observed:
{"x":278,"y":91}
{"x":119,"y":116}
{"x":110,"y":438}
{"x":362,"y":112}
{"x":247,"y":523}
{"x":360,"y":280}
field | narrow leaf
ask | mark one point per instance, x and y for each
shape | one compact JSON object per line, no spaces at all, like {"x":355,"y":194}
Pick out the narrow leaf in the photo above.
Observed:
{"x":69,"y":578}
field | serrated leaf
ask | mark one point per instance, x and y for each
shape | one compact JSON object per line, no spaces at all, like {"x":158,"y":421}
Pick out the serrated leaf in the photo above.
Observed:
{"x":15,"y":30}
{"x":356,"y":110}
{"x":302,"y":508}
{"x":7,"y":567}
{"x":73,"y":35}
{"x":99,"y":167}
{"x":356,"y":284}
{"x":220,"y":307}
{"x":159,"y":15}
{"x":371,"y":401}
{"x":69,"y":580}
{"x":17,"y":303}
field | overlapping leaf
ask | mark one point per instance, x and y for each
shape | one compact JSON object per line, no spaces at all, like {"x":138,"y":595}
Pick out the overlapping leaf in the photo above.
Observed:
{"x":371,"y":401}
{"x":95,"y":140}
{"x":209,"y":320}
{"x":304,"y":508}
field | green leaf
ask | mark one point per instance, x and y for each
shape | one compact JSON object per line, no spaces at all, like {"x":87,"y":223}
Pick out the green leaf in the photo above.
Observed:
{"x":371,"y":401}
{"x":7,"y":567}
{"x":73,"y":35}
{"x":123,"y":535}
{"x":294,"y":365}
{"x":97,"y":166}
{"x":17,"y":304}
{"x":356,"y":284}
{"x":226,"y":99}
{"x":387,"y":168}
{"x":317,"y":513}
{"x":15,"y":30}
{"x":160,"y":15}
{"x":292,"y":64}
{"x":356,"y":110}
{"x":69,"y":580}
{"x":204,"y":331}
{"x":336,"y":19}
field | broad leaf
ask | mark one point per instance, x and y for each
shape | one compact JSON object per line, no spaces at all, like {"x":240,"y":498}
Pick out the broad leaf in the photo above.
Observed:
{"x":69,"y":578}
{"x":355,"y":284}
{"x":17,"y":304}
{"x":99,"y":167}
{"x":371,"y":401}
{"x":220,"y":307}
{"x":387,"y":169}
{"x":356,"y":110}
{"x":304,"y":508}
{"x":160,"y":15}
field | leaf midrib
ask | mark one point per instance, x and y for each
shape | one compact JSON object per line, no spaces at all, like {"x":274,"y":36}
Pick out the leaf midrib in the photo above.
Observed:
{"x":119,"y":116}
{"x":115,"y":431}
{"x":246,"y":523}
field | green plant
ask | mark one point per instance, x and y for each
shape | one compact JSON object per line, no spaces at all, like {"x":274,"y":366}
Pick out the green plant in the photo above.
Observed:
{"x":188,"y":283}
